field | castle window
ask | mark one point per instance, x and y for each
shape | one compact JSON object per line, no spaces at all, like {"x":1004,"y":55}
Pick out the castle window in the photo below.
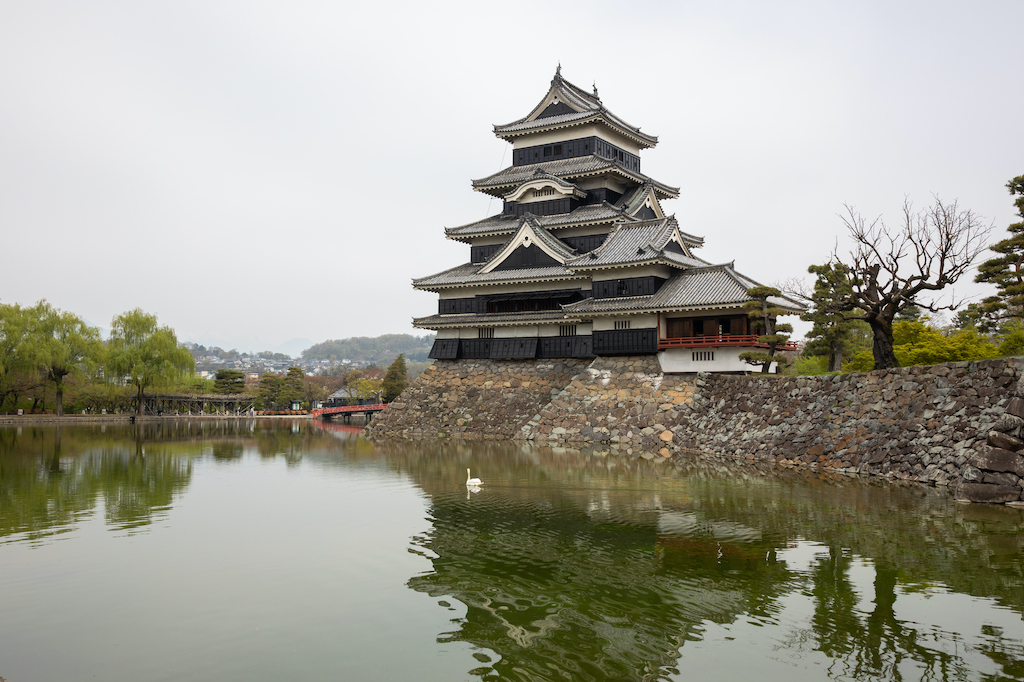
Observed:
{"x":704,"y":356}
{"x":485,"y":333}
{"x":558,"y":150}
{"x":622,"y":324}
{"x":547,"y":151}
{"x":567,"y":330}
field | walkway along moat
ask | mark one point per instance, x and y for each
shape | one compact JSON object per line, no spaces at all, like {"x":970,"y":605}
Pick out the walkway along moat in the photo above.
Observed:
{"x":956,"y":425}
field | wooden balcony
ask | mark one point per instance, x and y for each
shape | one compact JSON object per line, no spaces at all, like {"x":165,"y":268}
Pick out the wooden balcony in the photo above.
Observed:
{"x":720,"y":341}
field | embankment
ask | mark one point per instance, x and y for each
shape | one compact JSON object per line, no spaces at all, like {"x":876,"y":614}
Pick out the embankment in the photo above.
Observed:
{"x":954,"y":425}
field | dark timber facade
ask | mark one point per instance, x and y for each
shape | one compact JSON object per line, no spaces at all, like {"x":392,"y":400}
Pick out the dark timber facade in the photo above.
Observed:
{"x":582,"y":260}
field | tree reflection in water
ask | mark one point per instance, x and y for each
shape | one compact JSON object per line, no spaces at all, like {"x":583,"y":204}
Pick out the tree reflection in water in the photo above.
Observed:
{"x":52,"y":477}
{"x":579,"y":565}
{"x":593,"y":568}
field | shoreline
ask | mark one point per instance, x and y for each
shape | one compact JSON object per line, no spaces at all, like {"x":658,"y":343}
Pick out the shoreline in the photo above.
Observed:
{"x":30,"y":419}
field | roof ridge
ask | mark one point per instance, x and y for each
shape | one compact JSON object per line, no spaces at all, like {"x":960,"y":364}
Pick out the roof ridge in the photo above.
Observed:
{"x":542,"y":232}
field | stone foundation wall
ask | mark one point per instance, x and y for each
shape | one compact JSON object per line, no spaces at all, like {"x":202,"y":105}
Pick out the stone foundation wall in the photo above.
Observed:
{"x":475,"y":398}
{"x":957,"y":425}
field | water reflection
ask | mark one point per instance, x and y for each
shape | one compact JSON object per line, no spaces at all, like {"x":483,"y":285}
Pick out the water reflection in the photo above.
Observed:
{"x":607,"y":568}
{"x":53,"y":477}
{"x":580,"y":565}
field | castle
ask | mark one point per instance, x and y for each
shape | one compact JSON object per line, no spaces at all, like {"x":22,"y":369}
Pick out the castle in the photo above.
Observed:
{"x":583,"y":261}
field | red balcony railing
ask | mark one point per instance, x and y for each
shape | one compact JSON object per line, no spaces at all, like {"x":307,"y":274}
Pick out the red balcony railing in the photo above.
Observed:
{"x":719,"y":341}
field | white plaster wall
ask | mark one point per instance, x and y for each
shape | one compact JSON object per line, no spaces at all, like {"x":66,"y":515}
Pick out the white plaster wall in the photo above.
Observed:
{"x":515,"y":332}
{"x":531,"y":198}
{"x":603,"y":181}
{"x":677,"y":360}
{"x":488,"y":241}
{"x":553,"y":329}
{"x":447,"y":333}
{"x":636,"y":322}
{"x":454,"y":293}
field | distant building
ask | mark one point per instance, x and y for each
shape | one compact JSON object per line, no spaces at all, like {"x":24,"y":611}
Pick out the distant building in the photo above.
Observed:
{"x":583,"y":261}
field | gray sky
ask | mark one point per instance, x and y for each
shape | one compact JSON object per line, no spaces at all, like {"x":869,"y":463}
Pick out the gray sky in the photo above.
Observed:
{"x":257,"y":172}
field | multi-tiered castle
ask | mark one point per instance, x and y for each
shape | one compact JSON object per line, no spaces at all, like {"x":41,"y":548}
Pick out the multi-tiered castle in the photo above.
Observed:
{"x":583,"y":261}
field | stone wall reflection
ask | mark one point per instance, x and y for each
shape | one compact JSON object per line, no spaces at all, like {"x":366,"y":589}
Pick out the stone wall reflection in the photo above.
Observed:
{"x":604,"y":567}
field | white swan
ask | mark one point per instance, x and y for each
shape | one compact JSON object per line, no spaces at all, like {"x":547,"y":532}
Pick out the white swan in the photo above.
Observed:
{"x":472,"y":481}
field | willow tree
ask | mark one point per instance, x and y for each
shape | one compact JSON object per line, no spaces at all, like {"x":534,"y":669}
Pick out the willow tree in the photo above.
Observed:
{"x":145,"y":354}
{"x":59,"y":344}
{"x":763,"y":314}
{"x":14,"y":366}
{"x":891,"y":268}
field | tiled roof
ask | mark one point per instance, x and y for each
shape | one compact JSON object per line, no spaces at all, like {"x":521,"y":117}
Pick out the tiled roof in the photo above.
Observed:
{"x":588,"y":106}
{"x":541,"y":174}
{"x":555,"y":244}
{"x":576,"y":167}
{"x":494,"y":319}
{"x":636,"y":243}
{"x":707,"y":287}
{"x":469,"y":274}
{"x":504,"y":223}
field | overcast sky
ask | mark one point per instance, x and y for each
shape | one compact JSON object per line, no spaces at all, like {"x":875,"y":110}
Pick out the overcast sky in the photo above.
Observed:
{"x":256,"y":172}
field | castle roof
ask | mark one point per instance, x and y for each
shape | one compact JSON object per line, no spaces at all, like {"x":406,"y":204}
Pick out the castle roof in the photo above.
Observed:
{"x":645,"y":242}
{"x":506,"y":223}
{"x":469,"y":274}
{"x":494,"y":319}
{"x":574,"y":168}
{"x":566,"y":105}
{"x":712,"y":286}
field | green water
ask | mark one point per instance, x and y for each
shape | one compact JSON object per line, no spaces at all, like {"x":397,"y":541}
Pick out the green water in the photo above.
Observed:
{"x":272,"y":551}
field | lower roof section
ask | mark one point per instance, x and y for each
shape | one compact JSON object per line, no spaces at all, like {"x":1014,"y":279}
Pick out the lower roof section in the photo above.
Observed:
{"x":493,"y":320}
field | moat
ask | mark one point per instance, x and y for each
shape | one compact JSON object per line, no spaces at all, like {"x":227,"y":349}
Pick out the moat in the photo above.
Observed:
{"x":266,"y":550}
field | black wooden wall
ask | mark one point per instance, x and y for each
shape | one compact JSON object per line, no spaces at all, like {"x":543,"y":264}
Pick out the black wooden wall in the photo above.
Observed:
{"x":631,"y":286}
{"x":626,"y":342}
{"x":570,"y":149}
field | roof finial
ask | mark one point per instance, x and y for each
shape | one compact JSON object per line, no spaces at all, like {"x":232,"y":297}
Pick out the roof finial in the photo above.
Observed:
{"x":558,"y":71}
{"x":595,"y":90}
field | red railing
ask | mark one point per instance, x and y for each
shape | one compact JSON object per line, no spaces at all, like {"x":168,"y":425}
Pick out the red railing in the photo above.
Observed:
{"x":348,"y":408}
{"x":719,"y":341}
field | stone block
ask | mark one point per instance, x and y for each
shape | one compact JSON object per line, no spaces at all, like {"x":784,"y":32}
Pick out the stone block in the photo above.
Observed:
{"x":1005,"y":441}
{"x":989,"y":492}
{"x":1000,"y":479}
{"x":997,"y":459}
{"x":1015,"y":407}
{"x":1009,"y":423}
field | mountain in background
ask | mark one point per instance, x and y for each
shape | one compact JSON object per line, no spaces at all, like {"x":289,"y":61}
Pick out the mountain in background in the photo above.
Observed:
{"x":379,"y":349}
{"x":292,"y":348}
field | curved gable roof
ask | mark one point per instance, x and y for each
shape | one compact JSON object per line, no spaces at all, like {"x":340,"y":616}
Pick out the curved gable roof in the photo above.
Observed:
{"x":583,"y":107}
{"x":530,"y":233}
{"x":639,"y":243}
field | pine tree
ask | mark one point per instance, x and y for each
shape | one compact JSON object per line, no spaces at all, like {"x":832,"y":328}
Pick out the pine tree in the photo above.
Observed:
{"x":830,"y":300}
{"x":395,"y":379}
{"x":1007,"y":270}
{"x":762,"y":315}
{"x":229,"y":381}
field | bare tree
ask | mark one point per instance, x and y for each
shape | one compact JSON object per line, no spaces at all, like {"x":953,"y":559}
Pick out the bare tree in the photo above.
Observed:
{"x":891,"y":268}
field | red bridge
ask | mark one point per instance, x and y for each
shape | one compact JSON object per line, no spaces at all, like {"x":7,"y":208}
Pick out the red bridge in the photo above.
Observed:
{"x":348,"y":410}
